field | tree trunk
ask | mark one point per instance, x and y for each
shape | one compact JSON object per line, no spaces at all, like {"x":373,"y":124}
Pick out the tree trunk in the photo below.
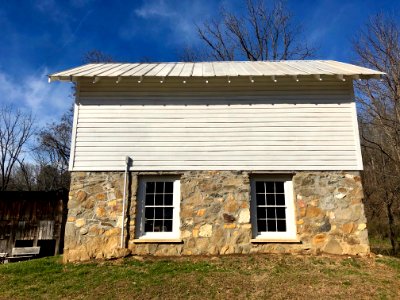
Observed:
{"x":392,"y":231}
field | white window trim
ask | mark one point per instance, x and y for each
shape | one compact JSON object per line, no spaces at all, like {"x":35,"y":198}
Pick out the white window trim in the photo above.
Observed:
{"x":140,"y":220}
{"x":291,"y":231}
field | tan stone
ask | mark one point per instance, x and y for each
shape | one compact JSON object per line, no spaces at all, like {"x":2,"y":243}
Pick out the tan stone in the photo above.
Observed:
{"x":319,"y":239}
{"x":246,"y":226}
{"x":231,"y":205}
{"x":195,"y":232}
{"x":101,"y":197}
{"x":81,"y":196}
{"x":361,"y":226}
{"x":113,"y":231}
{"x":313,"y":212}
{"x":100,"y":212}
{"x":302,"y":212}
{"x":112,"y":203}
{"x":348,"y":227}
{"x":205,"y":230}
{"x":96,"y":230}
{"x":230,"y":225}
{"x":89,"y":203}
{"x":187,"y":211}
{"x":201,"y":212}
{"x":244,"y":216}
{"x":300,"y":222}
{"x":71,"y":219}
{"x":185,"y":234}
{"x":80,"y":222}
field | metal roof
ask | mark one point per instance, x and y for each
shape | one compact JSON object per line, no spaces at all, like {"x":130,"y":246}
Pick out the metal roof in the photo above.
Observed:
{"x":315,"y":68}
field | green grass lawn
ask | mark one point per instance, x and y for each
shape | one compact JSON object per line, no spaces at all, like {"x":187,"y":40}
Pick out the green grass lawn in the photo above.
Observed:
{"x":227,"y":277}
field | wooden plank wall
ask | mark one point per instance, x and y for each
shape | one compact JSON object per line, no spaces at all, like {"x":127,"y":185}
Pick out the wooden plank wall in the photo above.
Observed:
{"x":306,"y":125}
{"x":32,"y":216}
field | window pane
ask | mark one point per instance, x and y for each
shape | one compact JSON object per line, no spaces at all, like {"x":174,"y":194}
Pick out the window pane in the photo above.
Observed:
{"x":269,"y":186}
{"x":281,"y":225}
{"x":260,"y":187}
{"x":270,"y":199}
{"x":159,"y":199}
{"x":159,"y":187}
{"x":150,"y":199}
{"x":260,"y":199}
{"x":280,"y":199}
{"x":271,"y":225}
{"x":279,"y":187}
{"x":168,"y":213}
{"x":158,"y":213}
{"x":149,"y":213}
{"x":168,"y":199}
{"x":149,"y":187}
{"x":271,"y":213}
{"x":168,"y":226}
{"x":261,"y":225}
{"x":169,"y":187}
{"x":148,"y":226}
{"x":280,"y":213}
{"x":261,"y":213}
{"x":158,"y":224}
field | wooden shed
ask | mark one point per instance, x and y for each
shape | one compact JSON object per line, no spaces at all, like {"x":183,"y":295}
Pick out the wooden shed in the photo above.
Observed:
{"x":33,"y":219}
{"x":224,"y":157}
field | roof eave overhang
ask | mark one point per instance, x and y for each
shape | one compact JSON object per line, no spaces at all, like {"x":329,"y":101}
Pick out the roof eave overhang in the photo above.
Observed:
{"x":275,"y":78}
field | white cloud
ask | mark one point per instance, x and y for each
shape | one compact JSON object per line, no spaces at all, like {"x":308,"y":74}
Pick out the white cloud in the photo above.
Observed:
{"x":157,"y":8}
{"x":33,"y":93}
{"x":173,"y":21}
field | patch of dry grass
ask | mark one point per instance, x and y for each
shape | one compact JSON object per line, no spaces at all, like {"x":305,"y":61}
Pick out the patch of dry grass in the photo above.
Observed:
{"x":226,"y":277}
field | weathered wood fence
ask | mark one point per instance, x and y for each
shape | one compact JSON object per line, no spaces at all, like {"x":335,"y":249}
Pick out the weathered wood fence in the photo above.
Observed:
{"x":29,"y":219}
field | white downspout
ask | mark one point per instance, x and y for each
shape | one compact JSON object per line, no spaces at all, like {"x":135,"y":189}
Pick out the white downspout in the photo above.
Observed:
{"x":124,"y":201}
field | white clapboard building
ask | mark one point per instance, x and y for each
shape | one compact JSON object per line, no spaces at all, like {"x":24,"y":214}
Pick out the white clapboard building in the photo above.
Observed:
{"x":276,"y":129}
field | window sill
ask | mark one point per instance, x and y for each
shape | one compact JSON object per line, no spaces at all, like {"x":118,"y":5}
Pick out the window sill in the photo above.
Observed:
{"x":157,"y":241}
{"x":266,"y":240}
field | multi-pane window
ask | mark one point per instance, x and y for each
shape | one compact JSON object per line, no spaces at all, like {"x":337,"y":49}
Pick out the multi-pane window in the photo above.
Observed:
{"x":158,"y":208}
{"x":272,"y":208}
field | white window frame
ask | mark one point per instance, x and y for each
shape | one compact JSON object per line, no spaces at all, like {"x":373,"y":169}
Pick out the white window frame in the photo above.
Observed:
{"x":140,"y":217}
{"x":291,"y":232}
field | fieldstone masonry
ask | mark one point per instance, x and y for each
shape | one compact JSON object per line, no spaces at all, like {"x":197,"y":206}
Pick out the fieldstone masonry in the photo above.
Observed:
{"x":215,"y":216}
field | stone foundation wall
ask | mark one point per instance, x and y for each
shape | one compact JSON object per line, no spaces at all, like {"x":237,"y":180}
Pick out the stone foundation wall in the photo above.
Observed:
{"x":215,"y":216}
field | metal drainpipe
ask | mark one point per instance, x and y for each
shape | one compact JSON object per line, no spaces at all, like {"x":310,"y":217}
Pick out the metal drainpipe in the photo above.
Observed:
{"x":124,"y":201}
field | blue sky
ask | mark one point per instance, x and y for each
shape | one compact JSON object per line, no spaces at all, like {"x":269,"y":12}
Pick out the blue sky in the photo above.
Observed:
{"x":39,"y":37}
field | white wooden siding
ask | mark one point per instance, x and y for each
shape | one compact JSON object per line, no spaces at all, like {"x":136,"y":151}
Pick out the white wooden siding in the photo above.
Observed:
{"x":263,"y":127}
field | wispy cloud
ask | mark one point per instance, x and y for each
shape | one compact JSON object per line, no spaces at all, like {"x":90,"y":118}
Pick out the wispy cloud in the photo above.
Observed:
{"x":173,"y":21}
{"x":34,"y":93}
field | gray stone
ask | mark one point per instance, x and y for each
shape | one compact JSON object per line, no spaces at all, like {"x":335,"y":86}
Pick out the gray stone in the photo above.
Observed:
{"x":333,"y":247}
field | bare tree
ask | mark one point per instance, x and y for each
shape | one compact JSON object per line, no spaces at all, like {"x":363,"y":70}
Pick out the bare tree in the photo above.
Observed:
{"x":54,"y":140}
{"x":16,"y":128}
{"x":96,"y":56}
{"x":378,"y":47}
{"x":53,"y":153}
{"x":262,"y":33}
